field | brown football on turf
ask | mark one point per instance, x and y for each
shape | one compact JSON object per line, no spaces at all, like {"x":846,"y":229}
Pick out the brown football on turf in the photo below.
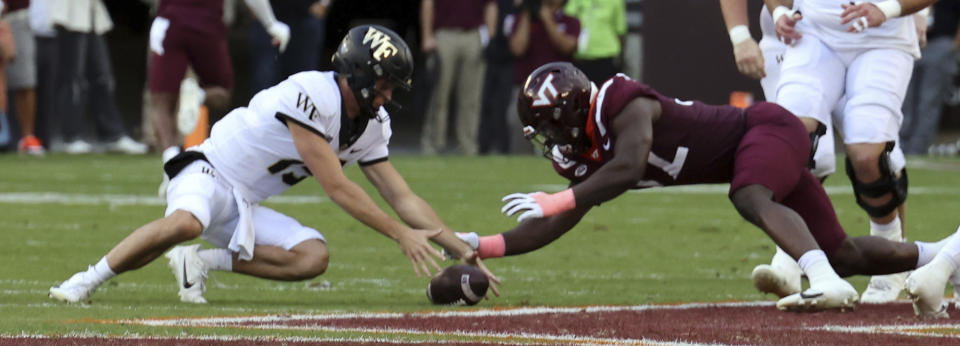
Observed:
{"x":458,"y":285}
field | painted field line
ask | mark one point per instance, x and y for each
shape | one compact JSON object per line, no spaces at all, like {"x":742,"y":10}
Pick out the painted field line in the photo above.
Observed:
{"x":122,"y":199}
{"x":220,"y":338}
{"x":277,"y":322}
{"x":927,"y":330}
{"x":496,"y":312}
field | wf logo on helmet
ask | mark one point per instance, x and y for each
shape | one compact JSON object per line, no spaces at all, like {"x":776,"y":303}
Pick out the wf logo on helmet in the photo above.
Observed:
{"x":542,"y":98}
{"x":381,"y":45}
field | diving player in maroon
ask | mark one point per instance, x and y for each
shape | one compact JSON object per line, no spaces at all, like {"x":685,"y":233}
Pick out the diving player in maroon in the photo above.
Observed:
{"x":625,"y":135}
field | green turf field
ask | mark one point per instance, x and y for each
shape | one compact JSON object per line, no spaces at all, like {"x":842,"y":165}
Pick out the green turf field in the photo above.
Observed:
{"x":62,"y":213}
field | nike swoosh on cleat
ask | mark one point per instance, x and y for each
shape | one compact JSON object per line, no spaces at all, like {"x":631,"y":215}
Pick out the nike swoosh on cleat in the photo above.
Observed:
{"x":803,"y":295}
{"x":186,"y":284}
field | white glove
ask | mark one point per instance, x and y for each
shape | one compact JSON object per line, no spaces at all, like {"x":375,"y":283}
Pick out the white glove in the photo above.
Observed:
{"x":280,"y":33}
{"x":525,"y":202}
{"x":158,"y":30}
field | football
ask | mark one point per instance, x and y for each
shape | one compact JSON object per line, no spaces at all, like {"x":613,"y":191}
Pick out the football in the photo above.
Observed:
{"x":458,"y":285}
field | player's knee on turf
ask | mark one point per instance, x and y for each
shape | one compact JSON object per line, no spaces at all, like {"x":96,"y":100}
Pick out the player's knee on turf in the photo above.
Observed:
{"x":311,"y":260}
{"x":749,"y":200}
{"x":874,"y":176}
{"x":183,"y":226}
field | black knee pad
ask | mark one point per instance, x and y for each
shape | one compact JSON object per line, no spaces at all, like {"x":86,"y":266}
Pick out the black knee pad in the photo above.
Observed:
{"x":889,"y":182}
{"x":814,"y":142}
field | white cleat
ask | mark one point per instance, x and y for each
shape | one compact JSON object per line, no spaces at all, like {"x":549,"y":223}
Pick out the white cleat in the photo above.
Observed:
{"x":190,"y":271}
{"x":925,"y":286}
{"x":884,"y":288}
{"x":835,"y":294}
{"x":75,"y":290}
{"x":768,"y":279}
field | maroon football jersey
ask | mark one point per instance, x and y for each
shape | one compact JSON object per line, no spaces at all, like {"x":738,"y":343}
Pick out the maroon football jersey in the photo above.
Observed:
{"x":693,"y":143}
{"x":202,"y":15}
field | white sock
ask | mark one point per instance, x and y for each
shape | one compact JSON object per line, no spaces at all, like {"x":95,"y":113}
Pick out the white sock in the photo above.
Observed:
{"x":952,"y":249}
{"x":169,"y":153}
{"x":217,"y":259}
{"x":814,"y":263}
{"x":101,"y":271}
{"x":927,"y":251}
{"x":891,"y":231}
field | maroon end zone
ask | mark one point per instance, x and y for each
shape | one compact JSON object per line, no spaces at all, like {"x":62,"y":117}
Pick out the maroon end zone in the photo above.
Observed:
{"x":719,"y":323}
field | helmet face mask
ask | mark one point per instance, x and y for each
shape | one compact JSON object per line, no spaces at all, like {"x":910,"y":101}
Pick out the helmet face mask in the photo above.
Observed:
{"x":554,"y":106}
{"x":368,"y":54}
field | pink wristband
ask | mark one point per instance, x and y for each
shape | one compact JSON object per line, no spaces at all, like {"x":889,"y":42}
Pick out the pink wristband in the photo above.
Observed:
{"x":556,"y":203}
{"x":492,"y":246}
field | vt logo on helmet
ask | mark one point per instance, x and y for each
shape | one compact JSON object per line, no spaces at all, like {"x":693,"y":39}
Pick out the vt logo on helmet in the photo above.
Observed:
{"x":554,"y":107}
{"x":369,"y":53}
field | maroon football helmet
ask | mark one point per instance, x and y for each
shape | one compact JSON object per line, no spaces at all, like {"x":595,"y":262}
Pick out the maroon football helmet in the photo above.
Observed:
{"x":554,"y":106}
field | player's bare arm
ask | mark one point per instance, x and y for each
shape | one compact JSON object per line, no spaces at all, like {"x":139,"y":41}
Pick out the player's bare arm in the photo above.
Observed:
{"x":536,"y":233}
{"x":633,"y":133}
{"x":325,"y":166}
{"x":865,"y":15}
{"x":414,"y":211}
{"x":746,"y":51}
{"x":520,"y":39}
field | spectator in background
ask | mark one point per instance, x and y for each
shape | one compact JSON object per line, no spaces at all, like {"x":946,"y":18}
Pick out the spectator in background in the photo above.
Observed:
{"x":603,"y":24}
{"x":21,"y":75}
{"x":498,"y":82}
{"x":541,"y":33}
{"x":85,"y":74}
{"x":7,"y":53}
{"x":457,"y":30}
{"x":192,"y":32}
{"x":932,"y":75}
{"x":45,"y":38}
{"x":306,"y":21}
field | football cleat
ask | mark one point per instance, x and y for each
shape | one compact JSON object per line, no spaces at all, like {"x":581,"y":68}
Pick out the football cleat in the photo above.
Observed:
{"x":768,"y":279}
{"x":190,"y":271}
{"x":76,"y":289}
{"x":925,"y":286}
{"x":830,"y":295}
{"x":884,"y":288}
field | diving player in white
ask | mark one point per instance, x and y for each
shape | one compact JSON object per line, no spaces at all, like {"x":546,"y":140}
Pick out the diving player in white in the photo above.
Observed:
{"x":310,"y":124}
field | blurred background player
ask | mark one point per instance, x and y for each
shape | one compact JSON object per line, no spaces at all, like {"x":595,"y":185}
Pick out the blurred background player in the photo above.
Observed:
{"x":932,"y":77}
{"x":311,"y":124}
{"x":542,"y":33}
{"x":498,"y":83}
{"x":306,"y":19}
{"x":84,"y":73}
{"x":21,"y":75}
{"x":603,"y":24}
{"x":188,"y":32}
{"x":457,"y":31}
{"x":624,"y":135}
{"x":7,"y":54}
{"x":832,"y":59}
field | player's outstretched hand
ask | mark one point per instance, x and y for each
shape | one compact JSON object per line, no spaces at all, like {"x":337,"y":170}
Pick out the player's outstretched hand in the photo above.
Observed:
{"x":523,"y":202}
{"x":861,"y":16}
{"x":749,"y":59}
{"x":415,"y":245}
{"x":473,"y":258}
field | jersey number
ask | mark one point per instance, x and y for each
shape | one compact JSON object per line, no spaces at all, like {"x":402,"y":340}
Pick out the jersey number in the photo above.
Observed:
{"x":289,"y":172}
{"x":671,"y":168}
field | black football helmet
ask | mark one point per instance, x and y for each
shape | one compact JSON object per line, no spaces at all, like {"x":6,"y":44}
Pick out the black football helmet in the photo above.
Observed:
{"x":369,"y":53}
{"x":554,"y":107}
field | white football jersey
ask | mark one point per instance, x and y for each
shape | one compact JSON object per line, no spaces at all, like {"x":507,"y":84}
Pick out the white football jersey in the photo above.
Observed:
{"x":253,"y":149}
{"x":821,"y":18}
